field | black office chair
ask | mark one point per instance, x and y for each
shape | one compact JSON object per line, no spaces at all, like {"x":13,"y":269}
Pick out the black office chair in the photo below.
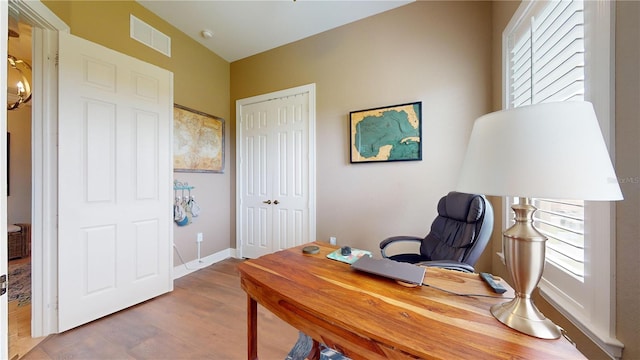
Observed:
{"x":458,"y":235}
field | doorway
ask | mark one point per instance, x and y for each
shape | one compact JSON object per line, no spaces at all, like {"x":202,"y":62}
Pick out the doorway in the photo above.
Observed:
{"x":19,"y":181}
{"x":275,"y":162}
{"x":44,"y":28}
{"x":48,"y":30}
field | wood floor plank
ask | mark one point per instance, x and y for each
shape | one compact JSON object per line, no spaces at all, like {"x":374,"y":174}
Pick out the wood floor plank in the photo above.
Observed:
{"x":203,"y":318}
{"x":19,"y":331}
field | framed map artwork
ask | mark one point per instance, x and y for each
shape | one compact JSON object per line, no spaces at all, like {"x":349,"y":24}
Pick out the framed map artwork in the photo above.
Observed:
{"x":198,"y":141}
{"x":392,"y":133}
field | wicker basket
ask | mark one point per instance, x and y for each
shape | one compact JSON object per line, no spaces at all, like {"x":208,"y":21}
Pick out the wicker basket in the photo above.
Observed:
{"x":19,"y":242}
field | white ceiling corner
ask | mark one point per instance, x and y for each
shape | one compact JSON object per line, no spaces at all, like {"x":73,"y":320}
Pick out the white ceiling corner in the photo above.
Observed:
{"x":244,"y":28}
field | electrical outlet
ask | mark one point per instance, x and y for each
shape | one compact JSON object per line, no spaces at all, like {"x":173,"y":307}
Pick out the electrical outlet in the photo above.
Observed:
{"x":199,"y":238}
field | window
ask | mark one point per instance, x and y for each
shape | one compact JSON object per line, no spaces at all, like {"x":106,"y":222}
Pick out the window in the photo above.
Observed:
{"x":547,"y":64}
{"x":561,"y":51}
{"x":562,"y":222}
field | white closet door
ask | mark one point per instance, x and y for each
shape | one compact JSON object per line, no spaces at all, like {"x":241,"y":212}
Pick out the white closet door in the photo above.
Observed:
{"x":290,"y":189}
{"x":276,"y":172}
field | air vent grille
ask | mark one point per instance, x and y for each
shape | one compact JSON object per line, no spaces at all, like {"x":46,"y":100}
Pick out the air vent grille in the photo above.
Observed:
{"x":149,"y":36}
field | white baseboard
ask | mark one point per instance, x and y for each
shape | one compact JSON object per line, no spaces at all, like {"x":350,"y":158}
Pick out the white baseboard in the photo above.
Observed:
{"x":185,"y":269}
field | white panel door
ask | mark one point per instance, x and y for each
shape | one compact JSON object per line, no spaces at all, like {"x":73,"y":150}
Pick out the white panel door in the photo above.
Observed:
{"x":115,"y":180}
{"x":276,"y":199}
{"x":255,"y":222}
{"x":290,"y":190}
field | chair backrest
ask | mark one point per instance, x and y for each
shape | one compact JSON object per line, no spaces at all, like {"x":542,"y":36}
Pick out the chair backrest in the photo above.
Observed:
{"x":462,"y":229}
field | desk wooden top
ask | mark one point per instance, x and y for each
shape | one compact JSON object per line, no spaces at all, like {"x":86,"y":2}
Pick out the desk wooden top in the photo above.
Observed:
{"x":370,"y":317}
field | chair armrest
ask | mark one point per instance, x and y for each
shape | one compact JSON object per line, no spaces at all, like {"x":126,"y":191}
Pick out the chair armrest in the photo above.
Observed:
{"x":390,"y":240}
{"x":448,"y":264}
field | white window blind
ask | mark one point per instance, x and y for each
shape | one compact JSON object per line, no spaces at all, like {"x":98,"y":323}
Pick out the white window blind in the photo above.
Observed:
{"x":562,"y":221}
{"x":547,"y":64}
{"x":563,"y":51}
{"x":558,"y":52}
{"x":521,"y":73}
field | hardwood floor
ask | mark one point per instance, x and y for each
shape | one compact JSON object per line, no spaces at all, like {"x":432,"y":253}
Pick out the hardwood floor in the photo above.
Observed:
{"x":19,"y":336}
{"x":203,"y":318}
{"x":20,"y":340}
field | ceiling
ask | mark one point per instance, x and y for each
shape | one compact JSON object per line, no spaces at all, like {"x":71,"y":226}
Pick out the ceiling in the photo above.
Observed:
{"x":244,"y":28}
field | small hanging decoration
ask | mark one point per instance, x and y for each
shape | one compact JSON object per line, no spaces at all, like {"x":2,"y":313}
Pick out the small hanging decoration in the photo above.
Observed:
{"x":185,"y":207}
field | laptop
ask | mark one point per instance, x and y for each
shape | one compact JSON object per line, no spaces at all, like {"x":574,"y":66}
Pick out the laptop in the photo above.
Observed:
{"x":404,"y":272}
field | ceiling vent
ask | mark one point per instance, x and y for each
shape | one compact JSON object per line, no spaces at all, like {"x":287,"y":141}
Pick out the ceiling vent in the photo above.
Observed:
{"x":149,"y":36}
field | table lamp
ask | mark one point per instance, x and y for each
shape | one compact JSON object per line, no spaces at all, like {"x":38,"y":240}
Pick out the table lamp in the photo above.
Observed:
{"x":548,"y":150}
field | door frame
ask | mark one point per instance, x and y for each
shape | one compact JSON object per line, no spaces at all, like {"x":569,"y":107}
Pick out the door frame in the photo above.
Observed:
{"x":311,"y":90}
{"x":4,"y":310}
{"x":44,"y":119}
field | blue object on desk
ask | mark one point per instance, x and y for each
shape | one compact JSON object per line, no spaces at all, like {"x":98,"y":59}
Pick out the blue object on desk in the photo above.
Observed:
{"x":355,"y":255}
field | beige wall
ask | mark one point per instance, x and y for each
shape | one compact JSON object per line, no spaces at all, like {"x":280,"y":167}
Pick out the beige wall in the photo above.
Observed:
{"x":19,"y":199}
{"x":445,"y":54}
{"x":201,"y":82}
{"x":435,"y":52}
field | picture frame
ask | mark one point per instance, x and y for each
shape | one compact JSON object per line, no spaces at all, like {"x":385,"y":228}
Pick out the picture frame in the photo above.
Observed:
{"x":383,"y":134}
{"x":198,"y":141}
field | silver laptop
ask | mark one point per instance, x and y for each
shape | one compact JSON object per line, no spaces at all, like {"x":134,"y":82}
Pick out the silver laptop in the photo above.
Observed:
{"x":406,"y":272}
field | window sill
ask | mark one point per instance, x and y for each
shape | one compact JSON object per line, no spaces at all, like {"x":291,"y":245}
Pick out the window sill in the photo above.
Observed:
{"x":610,"y":345}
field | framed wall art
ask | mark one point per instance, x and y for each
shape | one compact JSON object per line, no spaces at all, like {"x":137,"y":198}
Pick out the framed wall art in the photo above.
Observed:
{"x":198,"y":141}
{"x":391,"y":133}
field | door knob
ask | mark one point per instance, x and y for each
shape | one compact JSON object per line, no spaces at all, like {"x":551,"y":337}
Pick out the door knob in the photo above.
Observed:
{"x":268,"y":202}
{"x":276,"y":202}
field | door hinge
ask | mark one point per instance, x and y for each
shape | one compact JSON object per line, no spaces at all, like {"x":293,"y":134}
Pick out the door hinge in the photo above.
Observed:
{"x":3,"y":284}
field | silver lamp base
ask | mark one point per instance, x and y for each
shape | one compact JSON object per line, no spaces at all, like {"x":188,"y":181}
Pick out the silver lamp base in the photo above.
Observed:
{"x":524,"y":252}
{"x":522,"y":315}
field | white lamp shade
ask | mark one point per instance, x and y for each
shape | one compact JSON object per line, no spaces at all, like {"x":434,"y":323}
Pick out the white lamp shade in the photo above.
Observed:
{"x":549,"y":150}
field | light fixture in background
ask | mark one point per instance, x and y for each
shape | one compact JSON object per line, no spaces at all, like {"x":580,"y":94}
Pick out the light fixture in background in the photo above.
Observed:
{"x":19,"y":83}
{"x":549,"y":150}
{"x":18,"y":71}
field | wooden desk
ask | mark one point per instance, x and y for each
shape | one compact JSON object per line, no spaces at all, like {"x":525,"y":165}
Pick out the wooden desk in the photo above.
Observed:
{"x":369,"y":317}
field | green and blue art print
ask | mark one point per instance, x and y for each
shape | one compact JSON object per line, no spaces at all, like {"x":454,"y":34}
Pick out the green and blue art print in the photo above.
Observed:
{"x":392,"y":133}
